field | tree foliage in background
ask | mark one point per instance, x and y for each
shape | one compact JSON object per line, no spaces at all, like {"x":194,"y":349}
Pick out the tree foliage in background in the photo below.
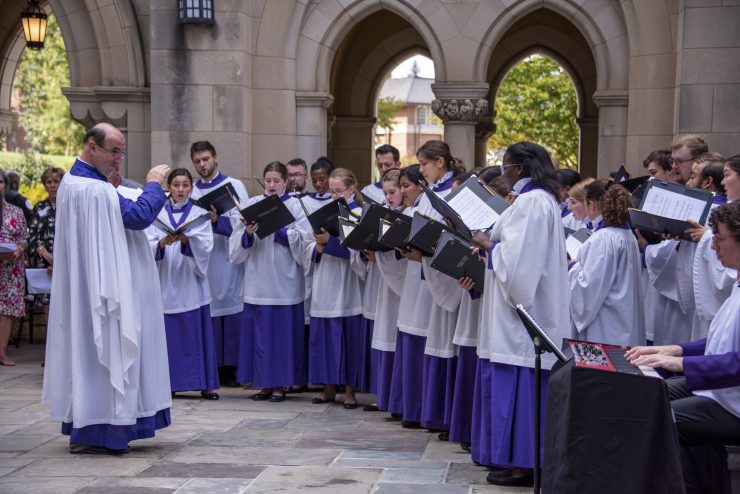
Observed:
{"x":537,"y":102}
{"x":40,"y":77}
{"x":387,"y":108}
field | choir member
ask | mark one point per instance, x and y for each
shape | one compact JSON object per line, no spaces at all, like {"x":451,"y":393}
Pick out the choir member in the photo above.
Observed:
{"x":526,"y":253}
{"x":606,"y":300}
{"x":224,"y":279}
{"x":567,"y":178}
{"x":272,"y":342}
{"x":577,"y":207}
{"x":386,"y":157}
{"x":182,"y":261}
{"x":335,"y":341}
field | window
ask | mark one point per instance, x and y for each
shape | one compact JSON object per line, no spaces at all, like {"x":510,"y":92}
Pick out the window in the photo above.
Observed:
{"x":421,"y":115}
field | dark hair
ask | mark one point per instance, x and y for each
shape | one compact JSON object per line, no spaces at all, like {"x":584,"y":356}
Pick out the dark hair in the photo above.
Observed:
{"x":179,"y":172}
{"x":412,"y":173}
{"x":297,"y":162}
{"x":734,"y":163}
{"x":14,"y":180}
{"x":662,"y":157}
{"x":96,"y":133}
{"x":567,"y":177}
{"x":536,"y":164}
{"x":614,"y":201}
{"x":729,"y":215}
{"x":199,"y":146}
{"x":277,"y":167}
{"x":715,"y":171}
{"x":51,"y":171}
{"x":461,"y":177}
{"x":434,"y":150}
{"x":386,"y":149}
{"x":489,"y":174}
{"x":323,"y":163}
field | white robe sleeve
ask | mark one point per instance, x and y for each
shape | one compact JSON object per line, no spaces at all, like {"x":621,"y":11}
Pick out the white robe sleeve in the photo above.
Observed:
{"x":444,"y":289}
{"x":660,"y":260}
{"x":392,"y":270}
{"x":200,"y":243}
{"x":237,"y":253}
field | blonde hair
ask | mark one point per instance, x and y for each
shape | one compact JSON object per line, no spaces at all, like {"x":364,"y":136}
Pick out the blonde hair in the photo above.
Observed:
{"x":348,"y":180}
{"x":696,"y":144}
{"x":578,"y":191}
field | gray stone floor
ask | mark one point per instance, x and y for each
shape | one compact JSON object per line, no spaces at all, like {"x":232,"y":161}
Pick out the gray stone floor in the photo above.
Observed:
{"x":233,"y":445}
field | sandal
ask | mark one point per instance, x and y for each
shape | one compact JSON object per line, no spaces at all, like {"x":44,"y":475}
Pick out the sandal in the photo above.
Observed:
{"x":275,"y":398}
{"x":261,"y":396}
{"x":209,"y":395}
{"x":320,"y":401}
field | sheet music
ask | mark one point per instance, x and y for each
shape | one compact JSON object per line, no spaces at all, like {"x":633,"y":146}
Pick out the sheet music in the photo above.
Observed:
{"x":384,"y":227}
{"x":668,"y":204}
{"x":39,"y":280}
{"x":7,"y":247}
{"x":573,"y":246}
{"x":346,"y":230}
{"x":473,"y":210}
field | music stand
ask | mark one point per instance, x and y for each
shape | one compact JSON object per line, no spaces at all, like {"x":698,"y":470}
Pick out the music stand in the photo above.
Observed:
{"x":542,"y":343}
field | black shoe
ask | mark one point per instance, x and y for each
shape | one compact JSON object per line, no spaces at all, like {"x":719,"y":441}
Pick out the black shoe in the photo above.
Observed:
{"x":410,"y":424}
{"x":370,"y":408}
{"x":465,"y":447}
{"x":320,"y":401}
{"x":349,"y":406}
{"x":277,"y":398}
{"x":444,"y":436}
{"x":209,"y":395}
{"x":396,"y":416}
{"x":84,"y":449}
{"x":507,"y":477}
{"x":261,"y":396}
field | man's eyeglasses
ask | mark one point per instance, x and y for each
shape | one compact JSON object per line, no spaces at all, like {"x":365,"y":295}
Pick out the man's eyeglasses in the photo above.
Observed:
{"x":681,"y":162}
{"x":115,"y":152}
{"x":296,"y":175}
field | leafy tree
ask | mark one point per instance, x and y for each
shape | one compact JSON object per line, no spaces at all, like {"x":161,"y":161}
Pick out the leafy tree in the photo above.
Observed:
{"x":387,"y":108}
{"x":537,"y":102}
{"x":45,"y":110}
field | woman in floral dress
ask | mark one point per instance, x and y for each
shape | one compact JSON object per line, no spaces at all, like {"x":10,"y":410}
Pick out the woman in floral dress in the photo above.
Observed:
{"x":12,"y":279}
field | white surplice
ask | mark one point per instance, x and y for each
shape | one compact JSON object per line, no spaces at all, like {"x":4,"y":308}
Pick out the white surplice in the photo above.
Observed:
{"x":224,"y":279}
{"x":374,"y":192}
{"x":184,"y":279}
{"x":273,"y":273}
{"x":392,"y":274}
{"x":606,"y":299}
{"x":416,"y":300}
{"x":93,"y":358}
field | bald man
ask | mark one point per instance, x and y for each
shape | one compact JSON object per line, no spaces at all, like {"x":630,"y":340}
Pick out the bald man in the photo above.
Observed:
{"x":103,"y":379}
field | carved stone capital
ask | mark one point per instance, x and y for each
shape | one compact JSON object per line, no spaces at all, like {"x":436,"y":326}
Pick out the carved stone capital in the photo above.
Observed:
{"x":460,"y":109}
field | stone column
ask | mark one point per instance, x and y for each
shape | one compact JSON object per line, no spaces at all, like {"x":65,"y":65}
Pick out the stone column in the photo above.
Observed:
{"x":352,"y":146}
{"x":8,"y":123}
{"x":587,"y":153}
{"x":311,"y":124}
{"x":460,"y":105}
{"x":612,"y":130}
{"x":484,"y":129}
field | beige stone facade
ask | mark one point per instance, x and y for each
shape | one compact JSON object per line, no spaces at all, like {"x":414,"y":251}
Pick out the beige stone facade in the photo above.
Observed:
{"x":276,"y":79}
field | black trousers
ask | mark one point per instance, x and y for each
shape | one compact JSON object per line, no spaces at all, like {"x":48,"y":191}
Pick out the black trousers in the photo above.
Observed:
{"x":704,"y":427}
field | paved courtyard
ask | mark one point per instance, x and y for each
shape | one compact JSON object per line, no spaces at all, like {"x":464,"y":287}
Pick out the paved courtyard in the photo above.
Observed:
{"x":233,"y":445}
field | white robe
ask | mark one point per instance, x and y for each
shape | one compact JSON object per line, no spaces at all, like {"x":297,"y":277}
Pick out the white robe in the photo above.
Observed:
{"x":712,"y":285}
{"x":224,"y":279}
{"x":311,"y":205}
{"x":416,"y":300}
{"x":273,"y":273}
{"x":606,"y":299}
{"x":468,"y":321}
{"x":570,"y":221}
{"x":183,"y":279}
{"x":392,"y":273}
{"x":375,"y":193}
{"x":529,"y":265}
{"x":93,"y":352}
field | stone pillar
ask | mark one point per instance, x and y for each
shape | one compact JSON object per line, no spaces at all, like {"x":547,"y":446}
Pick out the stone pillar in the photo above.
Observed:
{"x":587,"y":153}
{"x":460,"y":105}
{"x":8,"y":123}
{"x":484,"y":129}
{"x":311,"y":124}
{"x":612,"y":130}
{"x":352,"y":146}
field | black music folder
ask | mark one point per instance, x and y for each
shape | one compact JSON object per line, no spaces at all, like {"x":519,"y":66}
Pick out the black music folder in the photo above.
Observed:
{"x":622,"y":175}
{"x":365,"y":235}
{"x":666,"y":206}
{"x":270,"y":213}
{"x":396,"y":235}
{"x":454,"y":258}
{"x":223,"y":198}
{"x":327,"y":217}
{"x":633,"y":184}
{"x":574,"y":240}
{"x":368,"y":199}
{"x":184,"y":228}
{"x":425,"y":233}
{"x":355,"y":236}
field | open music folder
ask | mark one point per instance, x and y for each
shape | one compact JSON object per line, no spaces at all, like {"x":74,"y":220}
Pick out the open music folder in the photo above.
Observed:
{"x":327,"y":217}
{"x":454,"y":258}
{"x":223,"y":198}
{"x":425,"y":233}
{"x":397,"y":234}
{"x":666,"y":207}
{"x":574,"y":240}
{"x":184,"y":228}
{"x":270,"y":213}
{"x":364,"y":234}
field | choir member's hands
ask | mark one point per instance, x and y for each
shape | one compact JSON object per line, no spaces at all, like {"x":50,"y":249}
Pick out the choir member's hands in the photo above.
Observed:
{"x":182,"y":238}
{"x":370,"y":254}
{"x":639,"y":351}
{"x":481,"y":240}
{"x":642,"y":242}
{"x":158,"y":174}
{"x":251,"y":228}
{"x":214,"y":214}
{"x":696,"y":232}
{"x":321,"y":240}
{"x":667,"y":362}
{"x":166,"y":240}
{"x":411,"y":254}
{"x":466,"y":283}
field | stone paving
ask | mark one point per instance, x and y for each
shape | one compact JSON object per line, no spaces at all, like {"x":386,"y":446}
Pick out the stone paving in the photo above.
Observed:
{"x":234,"y":445}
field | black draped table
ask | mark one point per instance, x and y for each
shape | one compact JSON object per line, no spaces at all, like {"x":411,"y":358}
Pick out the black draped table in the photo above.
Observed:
{"x":609,"y":432}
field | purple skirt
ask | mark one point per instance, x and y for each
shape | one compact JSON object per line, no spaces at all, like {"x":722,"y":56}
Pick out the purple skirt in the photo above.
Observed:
{"x":335,"y":350}
{"x":383,"y":366}
{"x":116,"y":436}
{"x":190,"y":350}
{"x":438,"y":388}
{"x":503,"y":415}
{"x":272,"y":346}
{"x":408,"y":377}
{"x":462,"y":400}
{"x":226,"y":332}
{"x":367,"y":372}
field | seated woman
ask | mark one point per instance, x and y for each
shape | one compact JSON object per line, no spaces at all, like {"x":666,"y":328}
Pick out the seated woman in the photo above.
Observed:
{"x":706,"y":399}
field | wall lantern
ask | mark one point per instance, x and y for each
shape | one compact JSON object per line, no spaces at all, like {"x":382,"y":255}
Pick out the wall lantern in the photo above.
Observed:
{"x":195,"y":11}
{"x":34,"y":25}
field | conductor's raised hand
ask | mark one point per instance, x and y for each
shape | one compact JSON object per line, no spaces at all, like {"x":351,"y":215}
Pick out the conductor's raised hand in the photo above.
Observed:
{"x":158,"y":174}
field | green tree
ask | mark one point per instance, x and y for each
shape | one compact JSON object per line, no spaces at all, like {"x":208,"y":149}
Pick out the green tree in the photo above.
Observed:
{"x":45,"y":115}
{"x":387,"y":108}
{"x":537,"y":102}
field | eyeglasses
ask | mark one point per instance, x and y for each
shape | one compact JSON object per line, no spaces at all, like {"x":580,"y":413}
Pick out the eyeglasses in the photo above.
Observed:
{"x":720,"y":238}
{"x":113,"y":152}
{"x":681,"y":162}
{"x":296,"y":175}
{"x":337,"y":192}
{"x":503,"y":166}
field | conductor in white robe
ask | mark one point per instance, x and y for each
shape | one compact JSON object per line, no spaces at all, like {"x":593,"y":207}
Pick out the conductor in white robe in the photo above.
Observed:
{"x":93,"y":379}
